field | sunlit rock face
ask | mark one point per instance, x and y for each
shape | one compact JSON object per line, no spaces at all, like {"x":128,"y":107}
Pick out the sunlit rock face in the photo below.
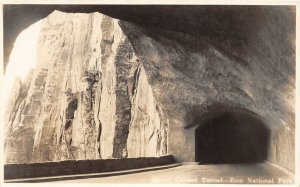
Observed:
{"x":106,"y":88}
{"x":87,"y":97}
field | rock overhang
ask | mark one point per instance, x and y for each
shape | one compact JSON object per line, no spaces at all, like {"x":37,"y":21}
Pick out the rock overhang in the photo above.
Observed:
{"x":218,"y":22}
{"x":261,"y":57}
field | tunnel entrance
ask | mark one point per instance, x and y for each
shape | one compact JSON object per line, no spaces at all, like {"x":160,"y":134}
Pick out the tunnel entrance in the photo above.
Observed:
{"x":231,"y":137}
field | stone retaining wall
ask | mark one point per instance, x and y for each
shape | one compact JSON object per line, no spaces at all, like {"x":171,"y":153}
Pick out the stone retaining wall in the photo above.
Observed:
{"x":71,"y":167}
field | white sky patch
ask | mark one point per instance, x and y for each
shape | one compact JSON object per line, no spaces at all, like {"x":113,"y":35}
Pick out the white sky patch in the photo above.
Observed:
{"x":22,"y":58}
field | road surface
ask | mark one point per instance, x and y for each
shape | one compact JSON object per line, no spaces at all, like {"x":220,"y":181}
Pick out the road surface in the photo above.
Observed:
{"x":222,"y":173}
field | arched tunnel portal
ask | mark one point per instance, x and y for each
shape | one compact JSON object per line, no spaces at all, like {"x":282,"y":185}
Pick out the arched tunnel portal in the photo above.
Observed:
{"x":231,"y":137}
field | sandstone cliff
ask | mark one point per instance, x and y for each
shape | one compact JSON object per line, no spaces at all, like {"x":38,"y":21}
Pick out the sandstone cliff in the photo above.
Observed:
{"x":87,"y":97}
{"x":106,"y":88}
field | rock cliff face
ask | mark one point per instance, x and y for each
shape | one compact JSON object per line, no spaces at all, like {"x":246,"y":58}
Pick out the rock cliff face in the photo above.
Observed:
{"x":194,"y":76}
{"x":87,"y":97}
{"x":106,"y":88}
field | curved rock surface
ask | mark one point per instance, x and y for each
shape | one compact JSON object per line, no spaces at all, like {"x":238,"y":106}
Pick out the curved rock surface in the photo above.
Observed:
{"x":106,"y":88}
{"x":196,"y":74}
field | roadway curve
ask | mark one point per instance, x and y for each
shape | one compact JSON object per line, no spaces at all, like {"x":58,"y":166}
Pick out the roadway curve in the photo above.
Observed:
{"x":230,"y":173}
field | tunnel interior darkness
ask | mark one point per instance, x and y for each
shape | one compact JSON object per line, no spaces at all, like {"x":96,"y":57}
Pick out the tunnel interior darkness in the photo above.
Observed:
{"x":231,"y":137}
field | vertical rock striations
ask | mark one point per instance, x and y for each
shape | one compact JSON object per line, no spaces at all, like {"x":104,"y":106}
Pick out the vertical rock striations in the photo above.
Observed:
{"x":19,"y":135}
{"x":81,"y":102}
{"x":105,"y":88}
{"x":149,"y":126}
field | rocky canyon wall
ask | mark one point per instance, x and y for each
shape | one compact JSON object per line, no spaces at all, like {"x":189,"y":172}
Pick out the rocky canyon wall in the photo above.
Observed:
{"x":107,"y":88}
{"x":195,"y":75}
{"x":86,"y":99}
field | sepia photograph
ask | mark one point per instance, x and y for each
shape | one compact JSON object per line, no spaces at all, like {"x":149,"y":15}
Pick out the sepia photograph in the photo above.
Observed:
{"x":149,"y":94}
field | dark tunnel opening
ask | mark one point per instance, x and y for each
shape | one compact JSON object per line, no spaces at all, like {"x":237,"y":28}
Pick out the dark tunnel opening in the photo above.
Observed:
{"x":232,"y":137}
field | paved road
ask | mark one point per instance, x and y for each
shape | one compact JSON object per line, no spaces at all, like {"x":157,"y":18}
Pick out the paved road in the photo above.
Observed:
{"x":223,"y":173}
